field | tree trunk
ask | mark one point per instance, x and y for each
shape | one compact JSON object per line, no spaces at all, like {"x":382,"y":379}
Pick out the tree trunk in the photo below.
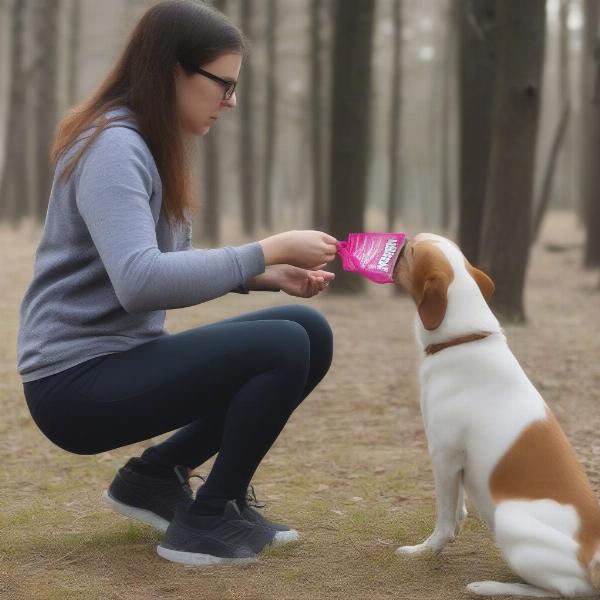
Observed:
{"x":270,"y":116}
{"x":506,"y":232}
{"x":46,"y":17}
{"x":247,"y":149}
{"x":13,"y":186}
{"x":74,"y":45}
{"x":394,"y":197}
{"x":541,"y":206}
{"x":448,"y":108}
{"x":477,"y":67}
{"x":591,"y":134}
{"x":211,"y":203}
{"x":350,"y":107}
{"x":212,"y":189}
{"x":319,"y":210}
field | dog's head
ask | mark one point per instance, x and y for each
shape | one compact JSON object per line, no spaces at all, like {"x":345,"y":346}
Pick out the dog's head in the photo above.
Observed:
{"x":450,"y":293}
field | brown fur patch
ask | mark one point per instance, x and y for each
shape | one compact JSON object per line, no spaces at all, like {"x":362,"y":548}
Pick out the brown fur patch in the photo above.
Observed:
{"x":483,"y":280}
{"x":427,"y":277}
{"x":542,"y":464}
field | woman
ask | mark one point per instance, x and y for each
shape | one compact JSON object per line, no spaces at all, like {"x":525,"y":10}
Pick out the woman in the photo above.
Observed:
{"x":99,"y":371}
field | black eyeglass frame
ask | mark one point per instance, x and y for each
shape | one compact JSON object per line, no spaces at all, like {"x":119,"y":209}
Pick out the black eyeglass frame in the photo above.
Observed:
{"x":228,"y":85}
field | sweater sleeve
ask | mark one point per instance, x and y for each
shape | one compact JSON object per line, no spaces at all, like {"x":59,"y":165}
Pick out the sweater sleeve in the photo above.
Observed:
{"x":241,"y":289}
{"x":113,"y":189}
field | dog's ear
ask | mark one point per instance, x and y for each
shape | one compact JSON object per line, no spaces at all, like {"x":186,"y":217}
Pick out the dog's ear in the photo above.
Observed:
{"x":434,"y":300}
{"x":484,"y":281}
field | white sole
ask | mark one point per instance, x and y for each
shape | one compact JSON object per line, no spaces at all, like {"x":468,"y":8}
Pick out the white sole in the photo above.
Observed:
{"x":201,"y":560}
{"x":140,"y":514}
{"x":285,"y":537}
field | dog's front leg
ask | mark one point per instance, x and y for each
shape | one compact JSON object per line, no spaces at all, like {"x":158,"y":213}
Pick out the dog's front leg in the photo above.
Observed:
{"x":461,"y":507}
{"x":447,"y":473}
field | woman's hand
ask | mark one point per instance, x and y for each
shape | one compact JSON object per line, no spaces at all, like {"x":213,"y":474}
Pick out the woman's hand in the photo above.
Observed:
{"x":303,"y":283}
{"x":305,"y":249}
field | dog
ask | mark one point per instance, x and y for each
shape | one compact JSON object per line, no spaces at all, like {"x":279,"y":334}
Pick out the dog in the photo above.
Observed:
{"x":491,"y":434}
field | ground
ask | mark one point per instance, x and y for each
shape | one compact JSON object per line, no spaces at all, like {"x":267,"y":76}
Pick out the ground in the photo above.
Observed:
{"x":350,"y":470}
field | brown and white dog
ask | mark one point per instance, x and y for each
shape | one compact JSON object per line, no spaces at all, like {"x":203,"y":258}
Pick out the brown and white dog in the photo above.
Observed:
{"x":490,"y":433}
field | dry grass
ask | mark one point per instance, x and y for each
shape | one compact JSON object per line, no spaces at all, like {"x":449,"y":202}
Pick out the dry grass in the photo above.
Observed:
{"x":350,"y":471}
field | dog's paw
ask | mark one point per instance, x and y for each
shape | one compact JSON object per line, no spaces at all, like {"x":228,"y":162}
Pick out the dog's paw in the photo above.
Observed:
{"x":418,"y":549}
{"x":478,"y":587}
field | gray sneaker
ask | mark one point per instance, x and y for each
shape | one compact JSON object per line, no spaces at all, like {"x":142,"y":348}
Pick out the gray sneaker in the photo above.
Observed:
{"x":283,"y":533}
{"x":206,"y":540}
{"x":152,"y":500}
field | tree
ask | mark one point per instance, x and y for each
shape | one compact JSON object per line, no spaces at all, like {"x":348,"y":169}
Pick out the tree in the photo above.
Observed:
{"x":74,"y":45}
{"x":270,"y":116}
{"x":319,"y":210}
{"x":211,"y":212}
{"x":13,"y":186}
{"x":506,"y":228}
{"x":591,"y":134}
{"x":247,"y":149}
{"x":448,"y":101}
{"x":396,"y":110}
{"x":350,"y":106}
{"x":477,"y":69}
{"x":45,"y":22}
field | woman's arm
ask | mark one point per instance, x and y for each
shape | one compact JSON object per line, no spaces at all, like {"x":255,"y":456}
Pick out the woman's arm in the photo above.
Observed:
{"x":265,"y":282}
{"x":113,"y":190}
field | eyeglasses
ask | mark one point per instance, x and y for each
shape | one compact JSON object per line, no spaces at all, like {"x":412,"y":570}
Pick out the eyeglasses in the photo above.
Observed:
{"x":228,"y":85}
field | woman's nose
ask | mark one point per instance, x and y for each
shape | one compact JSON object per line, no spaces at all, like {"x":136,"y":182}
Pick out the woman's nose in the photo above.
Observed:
{"x":231,"y":102}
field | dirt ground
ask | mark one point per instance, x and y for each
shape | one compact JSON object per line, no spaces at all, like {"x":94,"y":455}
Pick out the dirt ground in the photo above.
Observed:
{"x":350,"y":471}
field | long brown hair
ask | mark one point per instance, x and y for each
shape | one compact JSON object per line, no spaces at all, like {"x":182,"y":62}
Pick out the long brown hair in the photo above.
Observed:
{"x":143,"y":80}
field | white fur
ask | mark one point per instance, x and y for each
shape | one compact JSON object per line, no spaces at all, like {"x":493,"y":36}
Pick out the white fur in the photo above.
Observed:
{"x":476,"y":400}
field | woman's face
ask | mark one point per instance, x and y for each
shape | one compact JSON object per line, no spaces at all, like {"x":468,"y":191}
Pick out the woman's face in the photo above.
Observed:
{"x":200,"y":100}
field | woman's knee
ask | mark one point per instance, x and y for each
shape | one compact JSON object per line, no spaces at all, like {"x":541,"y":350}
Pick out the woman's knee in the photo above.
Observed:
{"x":316,"y":325}
{"x":291,"y":343}
{"x":320,"y":338}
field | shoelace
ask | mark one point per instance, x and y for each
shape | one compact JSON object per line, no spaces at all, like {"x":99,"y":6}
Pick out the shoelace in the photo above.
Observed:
{"x":251,"y":499}
{"x":183,"y":476}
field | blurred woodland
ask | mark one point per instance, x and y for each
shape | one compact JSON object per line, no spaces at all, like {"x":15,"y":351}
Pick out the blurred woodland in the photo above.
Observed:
{"x":471,"y":118}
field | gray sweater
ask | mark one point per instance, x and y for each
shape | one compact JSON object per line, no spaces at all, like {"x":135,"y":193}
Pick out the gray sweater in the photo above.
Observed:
{"x":109,"y":264}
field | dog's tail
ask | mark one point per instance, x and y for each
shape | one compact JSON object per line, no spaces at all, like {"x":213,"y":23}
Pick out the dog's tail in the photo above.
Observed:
{"x":594,"y":568}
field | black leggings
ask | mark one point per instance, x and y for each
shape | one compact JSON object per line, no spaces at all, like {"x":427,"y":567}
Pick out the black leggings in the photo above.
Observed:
{"x":229,"y":386}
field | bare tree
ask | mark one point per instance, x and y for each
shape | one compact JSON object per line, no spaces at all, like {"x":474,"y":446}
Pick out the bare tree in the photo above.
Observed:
{"x":505,"y":238}
{"x":541,"y":205}
{"x":46,"y":17}
{"x":557,"y":167}
{"x":448,"y":101}
{"x":246,"y":146}
{"x":13,"y":186}
{"x":74,"y":45}
{"x":270,"y":116}
{"x":319,"y":211}
{"x":350,"y":105}
{"x":591,"y":134}
{"x":394,"y":198}
{"x":211,"y":213}
{"x":477,"y":69}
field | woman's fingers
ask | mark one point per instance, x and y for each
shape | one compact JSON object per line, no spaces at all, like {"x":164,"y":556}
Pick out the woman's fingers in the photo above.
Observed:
{"x":329,"y":238}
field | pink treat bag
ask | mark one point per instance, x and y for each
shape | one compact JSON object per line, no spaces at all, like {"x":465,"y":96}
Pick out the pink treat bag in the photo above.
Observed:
{"x":372,"y":255}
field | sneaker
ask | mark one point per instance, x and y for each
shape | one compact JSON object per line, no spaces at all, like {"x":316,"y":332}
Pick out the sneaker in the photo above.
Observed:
{"x":283,"y":533}
{"x":213,"y":540}
{"x":151,"y":500}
